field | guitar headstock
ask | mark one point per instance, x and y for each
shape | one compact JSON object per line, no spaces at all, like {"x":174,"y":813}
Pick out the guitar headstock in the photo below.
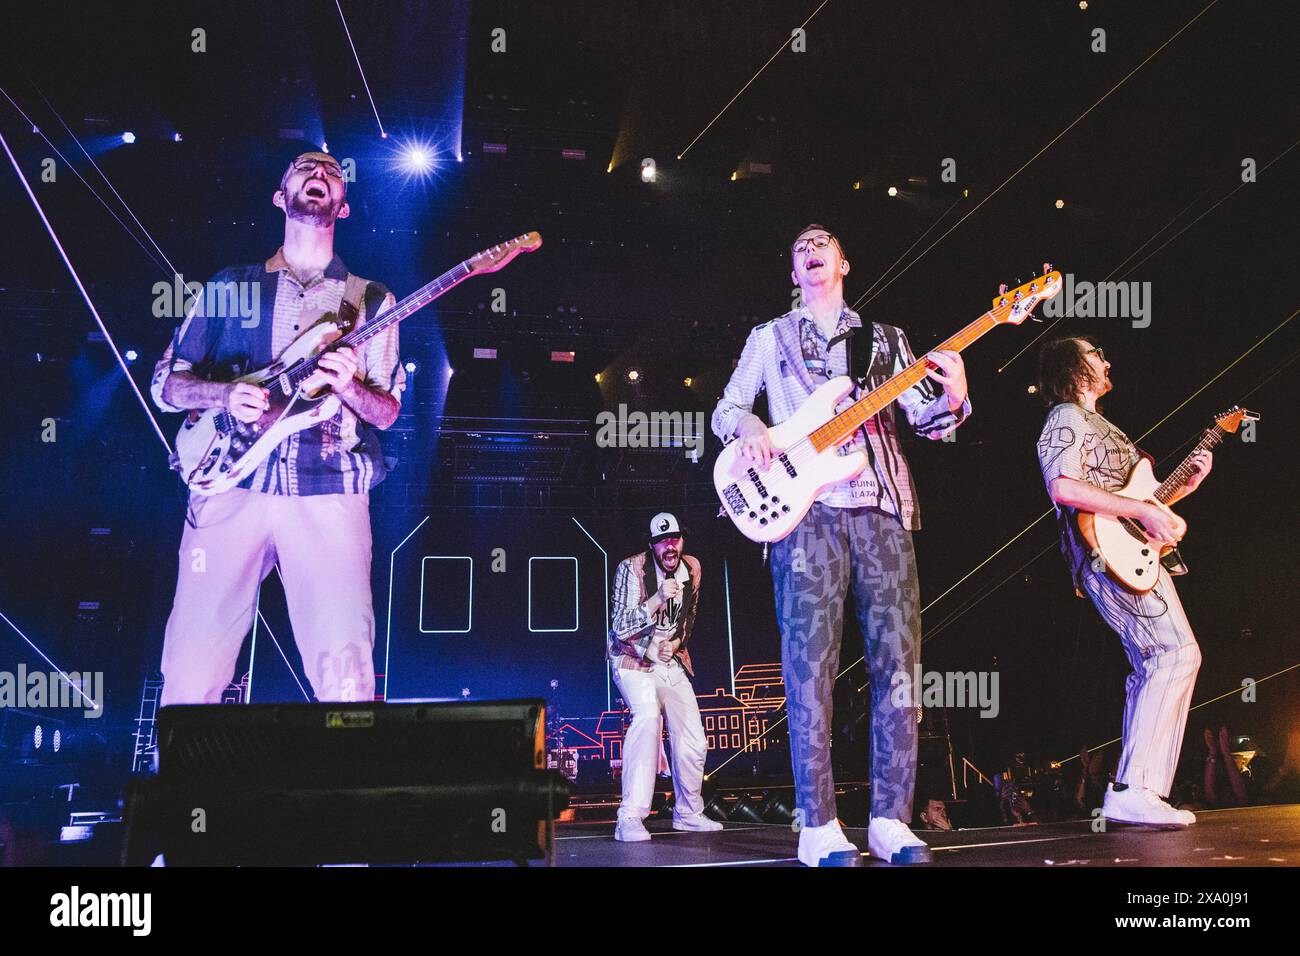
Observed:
{"x":490,"y":260}
{"x":1231,"y":420}
{"x":1015,"y":305}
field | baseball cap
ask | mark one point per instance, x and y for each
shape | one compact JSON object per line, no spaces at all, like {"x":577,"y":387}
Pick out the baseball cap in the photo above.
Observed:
{"x":664,"y":525}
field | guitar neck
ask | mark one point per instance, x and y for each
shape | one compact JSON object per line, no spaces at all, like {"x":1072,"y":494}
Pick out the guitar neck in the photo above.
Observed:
{"x":1178,"y":477}
{"x":840,"y":428}
{"x":413,"y":303}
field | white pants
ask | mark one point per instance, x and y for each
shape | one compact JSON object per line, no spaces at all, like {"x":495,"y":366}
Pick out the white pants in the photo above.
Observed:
{"x":649,"y":694}
{"x":322,"y":544}
{"x":1163,"y":651}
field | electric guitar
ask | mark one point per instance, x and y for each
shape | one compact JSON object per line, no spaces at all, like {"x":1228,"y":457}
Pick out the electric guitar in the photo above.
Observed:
{"x":215,"y":451}
{"x":766,"y":506}
{"x":1130,"y":557}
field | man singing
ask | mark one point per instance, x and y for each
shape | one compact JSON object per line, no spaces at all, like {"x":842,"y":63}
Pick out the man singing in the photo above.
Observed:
{"x":307,"y":507}
{"x":656,"y":595}
{"x":1084,"y":458}
{"x":858,"y":534}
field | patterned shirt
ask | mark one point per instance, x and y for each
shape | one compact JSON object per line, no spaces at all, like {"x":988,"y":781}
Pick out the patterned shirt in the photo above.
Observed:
{"x":789,"y":358}
{"x":1081,"y":444}
{"x":634,"y":631}
{"x":339,"y":456}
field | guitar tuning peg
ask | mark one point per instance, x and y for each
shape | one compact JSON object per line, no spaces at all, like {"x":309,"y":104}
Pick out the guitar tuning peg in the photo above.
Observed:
{"x":1002,"y":289}
{"x":1047,"y":267}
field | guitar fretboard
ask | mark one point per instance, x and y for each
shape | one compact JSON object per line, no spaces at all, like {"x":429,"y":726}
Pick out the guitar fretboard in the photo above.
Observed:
{"x":1178,"y":477}
{"x":841,"y":428}
{"x":411,"y":304}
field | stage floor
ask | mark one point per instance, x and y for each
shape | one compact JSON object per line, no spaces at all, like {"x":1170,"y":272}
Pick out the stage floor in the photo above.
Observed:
{"x":1250,"y":836}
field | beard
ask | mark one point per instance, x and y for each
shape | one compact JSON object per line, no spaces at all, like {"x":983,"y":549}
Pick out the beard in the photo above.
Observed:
{"x":320,"y":214}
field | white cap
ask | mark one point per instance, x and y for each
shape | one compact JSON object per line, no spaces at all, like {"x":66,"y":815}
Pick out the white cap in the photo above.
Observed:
{"x":664,"y":525}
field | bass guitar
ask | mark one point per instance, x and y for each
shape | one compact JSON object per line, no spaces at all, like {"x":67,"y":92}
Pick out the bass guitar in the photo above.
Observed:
{"x":766,"y":506}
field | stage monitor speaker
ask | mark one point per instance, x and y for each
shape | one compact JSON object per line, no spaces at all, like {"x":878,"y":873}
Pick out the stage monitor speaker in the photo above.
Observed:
{"x":308,"y":784}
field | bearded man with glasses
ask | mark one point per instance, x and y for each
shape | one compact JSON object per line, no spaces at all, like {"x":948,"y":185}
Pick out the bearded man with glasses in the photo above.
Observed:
{"x":306,"y":509}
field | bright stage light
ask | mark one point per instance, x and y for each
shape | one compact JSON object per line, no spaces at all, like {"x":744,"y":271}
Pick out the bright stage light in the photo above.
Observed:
{"x":128,"y":137}
{"x":1060,"y":204}
{"x":893,"y":190}
{"x":176,"y":137}
{"x":417,"y":159}
{"x":410,"y":367}
{"x":633,"y":375}
{"x":131,"y":355}
{"x":649,"y":172}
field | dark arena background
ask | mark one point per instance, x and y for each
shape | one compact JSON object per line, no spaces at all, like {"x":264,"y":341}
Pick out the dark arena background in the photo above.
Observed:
{"x":667,"y":152}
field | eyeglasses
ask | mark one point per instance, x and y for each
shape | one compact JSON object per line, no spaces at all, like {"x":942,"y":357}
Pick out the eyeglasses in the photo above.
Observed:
{"x":816,"y":242}
{"x":1097,"y":352}
{"x":311,"y":165}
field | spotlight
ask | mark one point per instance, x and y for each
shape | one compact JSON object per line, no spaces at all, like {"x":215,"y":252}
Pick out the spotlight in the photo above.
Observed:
{"x":597,"y":378}
{"x":633,"y":375}
{"x":744,"y":811}
{"x":410,"y":366}
{"x":37,"y":736}
{"x":176,"y":137}
{"x":58,"y":740}
{"x":131,"y":355}
{"x":776,"y":808}
{"x":1060,"y":204}
{"x":688,"y":381}
{"x":128,"y":137}
{"x":893,"y":190}
{"x":649,"y":173}
{"x":417,"y":159}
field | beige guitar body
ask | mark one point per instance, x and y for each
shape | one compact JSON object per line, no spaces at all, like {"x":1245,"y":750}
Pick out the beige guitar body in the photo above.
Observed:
{"x":1131,"y":558}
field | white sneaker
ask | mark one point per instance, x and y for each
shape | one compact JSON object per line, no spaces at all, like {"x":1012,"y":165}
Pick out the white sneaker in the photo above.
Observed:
{"x":695,"y":823}
{"x":891,"y":841}
{"x":630,"y":830}
{"x":1139,"y":806}
{"x":826,"y":845}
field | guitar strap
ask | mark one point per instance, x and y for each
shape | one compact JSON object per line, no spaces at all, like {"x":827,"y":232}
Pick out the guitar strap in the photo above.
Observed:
{"x":350,"y":309}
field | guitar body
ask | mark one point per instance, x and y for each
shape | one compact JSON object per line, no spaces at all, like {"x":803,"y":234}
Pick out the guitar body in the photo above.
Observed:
{"x":215,"y":451}
{"x":767,"y":505}
{"x":1130,"y":558}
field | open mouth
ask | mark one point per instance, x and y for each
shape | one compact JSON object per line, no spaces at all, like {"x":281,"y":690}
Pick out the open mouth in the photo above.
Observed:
{"x":812,"y":263}
{"x":315,"y":190}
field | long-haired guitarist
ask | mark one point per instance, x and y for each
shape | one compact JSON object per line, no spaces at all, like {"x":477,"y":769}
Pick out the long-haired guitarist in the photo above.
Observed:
{"x":1084,"y":459}
{"x":307,"y":505}
{"x":858,"y":534}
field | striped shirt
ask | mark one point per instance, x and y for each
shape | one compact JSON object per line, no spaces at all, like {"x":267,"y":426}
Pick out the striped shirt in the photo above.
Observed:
{"x":788,"y":357}
{"x":339,"y":456}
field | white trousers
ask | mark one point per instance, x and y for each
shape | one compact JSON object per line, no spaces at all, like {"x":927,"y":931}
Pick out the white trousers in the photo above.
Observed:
{"x":322,"y":544}
{"x":652,"y":695}
{"x":1162,"y":649}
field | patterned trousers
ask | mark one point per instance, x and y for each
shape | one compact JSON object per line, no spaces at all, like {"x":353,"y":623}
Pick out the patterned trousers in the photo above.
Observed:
{"x":812,"y":570}
{"x":1165,"y":657}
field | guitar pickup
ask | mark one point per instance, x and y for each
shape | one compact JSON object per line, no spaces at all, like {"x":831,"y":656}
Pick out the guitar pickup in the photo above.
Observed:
{"x":758,"y":483}
{"x":785,"y":463}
